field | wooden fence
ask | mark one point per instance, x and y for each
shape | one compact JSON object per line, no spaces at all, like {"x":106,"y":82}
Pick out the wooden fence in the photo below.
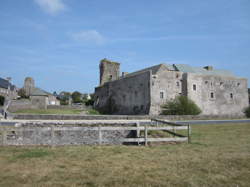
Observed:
{"x":171,"y":128}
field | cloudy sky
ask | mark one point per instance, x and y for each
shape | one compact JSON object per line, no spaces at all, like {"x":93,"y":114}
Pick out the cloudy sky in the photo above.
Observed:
{"x":60,"y":42}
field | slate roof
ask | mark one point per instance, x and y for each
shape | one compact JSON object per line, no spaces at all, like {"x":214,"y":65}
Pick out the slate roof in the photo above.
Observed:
{"x":189,"y":69}
{"x":184,"y":68}
{"x":154,"y":69}
{"x":5,"y":84}
{"x":40,"y":92}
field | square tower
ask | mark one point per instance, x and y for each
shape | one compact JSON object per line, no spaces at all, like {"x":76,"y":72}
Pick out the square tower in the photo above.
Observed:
{"x":109,"y":71}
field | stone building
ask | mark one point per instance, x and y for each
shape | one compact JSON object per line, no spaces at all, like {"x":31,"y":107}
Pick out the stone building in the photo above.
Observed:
{"x":216,"y":92}
{"x":39,"y":98}
{"x":7,"y":90}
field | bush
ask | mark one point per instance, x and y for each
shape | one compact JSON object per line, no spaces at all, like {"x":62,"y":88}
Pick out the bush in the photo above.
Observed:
{"x":181,"y":105}
{"x":247,"y":112}
{"x":2,"y":100}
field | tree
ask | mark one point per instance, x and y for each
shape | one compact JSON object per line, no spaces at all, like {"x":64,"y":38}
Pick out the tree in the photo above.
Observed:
{"x":181,"y":105}
{"x":76,"y":97}
{"x":21,"y":92}
{"x":247,"y":112}
{"x":2,"y":100}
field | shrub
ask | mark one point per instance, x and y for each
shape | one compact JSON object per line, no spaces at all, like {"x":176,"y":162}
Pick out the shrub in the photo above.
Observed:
{"x":181,"y":105}
{"x":247,"y":112}
{"x":2,"y":100}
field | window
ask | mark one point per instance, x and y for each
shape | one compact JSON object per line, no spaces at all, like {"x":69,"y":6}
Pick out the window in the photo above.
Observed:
{"x":211,"y":95}
{"x":161,"y":95}
{"x":110,"y":77}
{"x":177,"y":84}
{"x":194,"y":87}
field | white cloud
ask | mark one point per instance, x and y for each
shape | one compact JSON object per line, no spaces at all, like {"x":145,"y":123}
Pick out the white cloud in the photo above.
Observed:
{"x":92,"y":36}
{"x":51,"y":6}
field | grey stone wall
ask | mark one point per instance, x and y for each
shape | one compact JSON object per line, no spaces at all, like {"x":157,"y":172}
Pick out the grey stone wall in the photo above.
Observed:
{"x":217,"y":95}
{"x":22,"y":104}
{"x":67,"y":135}
{"x":166,"y":85}
{"x":129,"y":95}
{"x":40,"y":102}
{"x":120,"y":117}
{"x":109,"y":71}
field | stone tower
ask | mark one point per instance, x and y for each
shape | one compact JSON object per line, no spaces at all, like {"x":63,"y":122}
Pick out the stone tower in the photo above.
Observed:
{"x":29,"y":85}
{"x":109,"y":71}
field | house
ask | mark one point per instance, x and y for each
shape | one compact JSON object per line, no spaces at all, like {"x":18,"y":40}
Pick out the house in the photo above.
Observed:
{"x":39,"y":98}
{"x":7,"y":89}
{"x":42,"y":99}
{"x":216,"y":92}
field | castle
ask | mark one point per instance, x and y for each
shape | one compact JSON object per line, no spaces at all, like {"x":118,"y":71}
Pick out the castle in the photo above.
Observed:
{"x":216,"y":92}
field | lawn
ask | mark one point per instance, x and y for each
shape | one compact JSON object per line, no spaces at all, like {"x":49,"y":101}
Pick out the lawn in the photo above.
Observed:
{"x":49,"y":111}
{"x":219,"y":155}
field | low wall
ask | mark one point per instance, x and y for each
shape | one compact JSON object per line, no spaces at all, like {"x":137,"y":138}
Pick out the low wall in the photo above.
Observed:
{"x":116,"y":117}
{"x":21,"y":104}
{"x":61,"y":135}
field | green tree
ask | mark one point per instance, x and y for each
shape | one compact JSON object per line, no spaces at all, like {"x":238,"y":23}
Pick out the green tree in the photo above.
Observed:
{"x":76,"y":97}
{"x":247,"y":112}
{"x":2,"y":100}
{"x":181,"y":105}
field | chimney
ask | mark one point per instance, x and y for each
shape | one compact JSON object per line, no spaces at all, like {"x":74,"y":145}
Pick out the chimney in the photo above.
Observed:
{"x":209,"y":68}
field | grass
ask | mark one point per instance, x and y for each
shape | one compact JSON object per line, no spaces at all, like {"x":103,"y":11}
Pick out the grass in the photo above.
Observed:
{"x":49,"y":111}
{"x":93,"y":112}
{"x":219,"y":155}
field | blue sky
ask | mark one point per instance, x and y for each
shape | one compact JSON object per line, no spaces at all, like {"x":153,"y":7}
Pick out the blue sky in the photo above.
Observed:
{"x":60,"y":42}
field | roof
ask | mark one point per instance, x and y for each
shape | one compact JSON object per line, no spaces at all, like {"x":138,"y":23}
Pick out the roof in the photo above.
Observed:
{"x":40,"y":92}
{"x":185,"y":68}
{"x":154,"y":69}
{"x":5,"y":84}
{"x":200,"y":70}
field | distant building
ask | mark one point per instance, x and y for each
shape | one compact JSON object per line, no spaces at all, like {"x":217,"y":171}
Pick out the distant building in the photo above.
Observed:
{"x":216,"y":92}
{"x":39,"y":97}
{"x":7,"y":89}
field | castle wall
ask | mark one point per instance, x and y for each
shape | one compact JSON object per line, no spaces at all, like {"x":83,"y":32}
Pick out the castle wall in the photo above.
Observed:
{"x":218,"y":95}
{"x":129,"y":95}
{"x":166,"y":85}
{"x":109,"y":71}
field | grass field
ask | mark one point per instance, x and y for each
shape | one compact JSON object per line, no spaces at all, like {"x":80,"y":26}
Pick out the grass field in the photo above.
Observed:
{"x":219,"y":155}
{"x":49,"y":111}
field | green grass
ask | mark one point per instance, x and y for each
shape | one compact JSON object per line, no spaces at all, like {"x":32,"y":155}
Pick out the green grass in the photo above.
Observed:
{"x":93,"y":112}
{"x":219,"y":155}
{"x":49,"y":111}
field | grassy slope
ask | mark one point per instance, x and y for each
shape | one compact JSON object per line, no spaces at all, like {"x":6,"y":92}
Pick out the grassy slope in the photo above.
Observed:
{"x":50,"y":111}
{"x":218,"y":156}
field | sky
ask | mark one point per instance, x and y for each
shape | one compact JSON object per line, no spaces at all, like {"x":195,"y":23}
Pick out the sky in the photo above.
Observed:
{"x":61,"y":42}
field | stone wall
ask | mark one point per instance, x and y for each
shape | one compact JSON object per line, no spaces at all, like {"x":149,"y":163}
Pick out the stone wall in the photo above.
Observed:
{"x":129,"y":95}
{"x":66,"y":135}
{"x":120,"y":117}
{"x":21,"y":104}
{"x":217,"y":95}
{"x":166,"y":85}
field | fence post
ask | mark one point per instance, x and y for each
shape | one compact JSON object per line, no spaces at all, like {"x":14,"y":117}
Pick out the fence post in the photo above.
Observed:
{"x":99,"y":135}
{"x":189,"y":133}
{"x":3,"y":136}
{"x":138,"y":131}
{"x":52,"y":136}
{"x":146,"y":135}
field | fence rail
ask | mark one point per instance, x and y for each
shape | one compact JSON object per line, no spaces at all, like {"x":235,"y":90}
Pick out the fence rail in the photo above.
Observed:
{"x":8,"y":134}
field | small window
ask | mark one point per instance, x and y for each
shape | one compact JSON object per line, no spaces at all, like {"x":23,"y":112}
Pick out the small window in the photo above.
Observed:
{"x":161,"y":95}
{"x":231,"y":96}
{"x":211,"y":95}
{"x":136,"y":93}
{"x":110,"y":77}
{"x":177,"y":84}
{"x":194,"y":87}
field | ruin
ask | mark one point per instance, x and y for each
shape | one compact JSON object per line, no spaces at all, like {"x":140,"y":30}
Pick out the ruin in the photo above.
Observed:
{"x":216,"y":92}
